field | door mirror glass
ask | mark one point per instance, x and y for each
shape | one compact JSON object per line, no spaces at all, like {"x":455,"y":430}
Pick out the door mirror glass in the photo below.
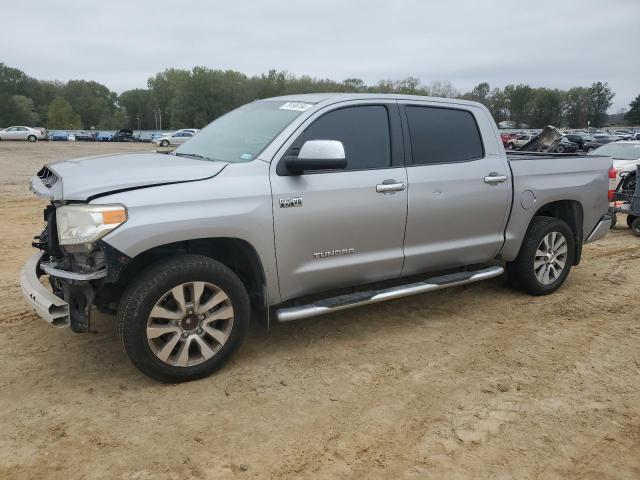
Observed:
{"x":318,"y":155}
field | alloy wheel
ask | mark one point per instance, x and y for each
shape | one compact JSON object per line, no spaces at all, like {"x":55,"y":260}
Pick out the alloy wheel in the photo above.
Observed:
{"x":189,"y":324}
{"x":551,"y":258}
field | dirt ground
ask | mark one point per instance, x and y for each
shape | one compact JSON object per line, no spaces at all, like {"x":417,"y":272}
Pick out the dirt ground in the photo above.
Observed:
{"x":474,"y":382}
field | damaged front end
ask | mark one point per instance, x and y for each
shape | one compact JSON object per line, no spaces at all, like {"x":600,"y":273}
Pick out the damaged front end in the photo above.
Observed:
{"x":72,"y":256}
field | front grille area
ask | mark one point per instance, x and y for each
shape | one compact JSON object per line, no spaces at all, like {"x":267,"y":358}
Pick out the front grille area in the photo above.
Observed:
{"x":48,"y":239}
{"x":47,"y":176}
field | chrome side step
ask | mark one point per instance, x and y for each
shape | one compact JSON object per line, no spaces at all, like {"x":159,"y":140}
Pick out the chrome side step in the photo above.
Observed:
{"x":358,"y":299}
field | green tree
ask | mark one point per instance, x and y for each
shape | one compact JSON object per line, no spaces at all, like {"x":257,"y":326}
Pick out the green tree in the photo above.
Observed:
{"x":575,"y":107}
{"x":480,"y":93}
{"x":546,"y":107}
{"x":91,"y":100}
{"x":520,"y":98}
{"x":62,"y":116}
{"x":633,"y":115}
{"x":139,"y":105}
{"x":600,"y":99}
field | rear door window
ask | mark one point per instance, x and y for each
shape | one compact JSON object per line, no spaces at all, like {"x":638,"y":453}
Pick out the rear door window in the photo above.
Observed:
{"x":443,"y":135}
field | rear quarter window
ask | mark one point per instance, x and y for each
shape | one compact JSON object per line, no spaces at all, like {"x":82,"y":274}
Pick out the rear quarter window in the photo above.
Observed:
{"x":443,"y":135}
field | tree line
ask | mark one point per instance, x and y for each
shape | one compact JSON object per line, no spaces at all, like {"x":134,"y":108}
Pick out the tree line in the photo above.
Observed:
{"x":178,"y":98}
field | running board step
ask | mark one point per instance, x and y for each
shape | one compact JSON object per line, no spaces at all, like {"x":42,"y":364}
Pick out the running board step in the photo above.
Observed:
{"x":350,"y":300}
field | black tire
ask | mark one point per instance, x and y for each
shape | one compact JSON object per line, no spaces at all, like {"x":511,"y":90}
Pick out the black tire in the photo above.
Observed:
{"x":164,"y":143}
{"x":560,"y":149}
{"x":590,"y":149}
{"x":614,"y":220}
{"x":510,"y":146}
{"x":635,"y":226}
{"x":143,"y":293}
{"x":521,"y":271}
{"x":630,"y":219}
{"x":32,"y":138}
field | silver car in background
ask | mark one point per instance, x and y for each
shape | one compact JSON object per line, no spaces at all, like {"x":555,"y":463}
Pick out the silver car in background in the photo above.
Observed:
{"x":23,"y":133}
{"x":175,"y":138}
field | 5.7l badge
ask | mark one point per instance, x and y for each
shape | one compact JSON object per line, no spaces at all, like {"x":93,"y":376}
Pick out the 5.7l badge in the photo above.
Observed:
{"x":291,"y":202}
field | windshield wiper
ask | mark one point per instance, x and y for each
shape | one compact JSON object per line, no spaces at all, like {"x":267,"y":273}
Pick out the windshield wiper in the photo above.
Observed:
{"x":192,"y":155}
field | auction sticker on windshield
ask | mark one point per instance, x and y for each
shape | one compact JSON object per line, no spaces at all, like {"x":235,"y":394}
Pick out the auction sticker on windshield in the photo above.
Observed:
{"x":298,"y":106}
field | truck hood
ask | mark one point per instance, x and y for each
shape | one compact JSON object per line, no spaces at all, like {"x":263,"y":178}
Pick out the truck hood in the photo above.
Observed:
{"x":89,"y":177}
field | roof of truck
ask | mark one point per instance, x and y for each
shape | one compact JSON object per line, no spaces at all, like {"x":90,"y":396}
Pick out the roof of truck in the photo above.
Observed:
{"x":341,"y":97}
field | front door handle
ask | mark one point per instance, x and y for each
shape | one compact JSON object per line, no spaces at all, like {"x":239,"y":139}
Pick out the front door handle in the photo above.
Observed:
{"x":390,"y":186}
{"x":495,"y":178}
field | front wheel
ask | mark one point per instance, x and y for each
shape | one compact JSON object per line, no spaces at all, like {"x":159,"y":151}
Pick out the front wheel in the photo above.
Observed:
{"x":510,"y":146}
{"x":32,"y":138}
{"x":183,"y":318}
{"x":164,"y":143}
{"x":560,"y":149}
{"x":545,"y":257}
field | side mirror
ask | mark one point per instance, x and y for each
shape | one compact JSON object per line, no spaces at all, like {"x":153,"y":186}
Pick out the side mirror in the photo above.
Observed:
{"x":318,"y":155}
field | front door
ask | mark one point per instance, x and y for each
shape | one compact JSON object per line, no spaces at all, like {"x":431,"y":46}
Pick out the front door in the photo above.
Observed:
{"x":342,"y":228}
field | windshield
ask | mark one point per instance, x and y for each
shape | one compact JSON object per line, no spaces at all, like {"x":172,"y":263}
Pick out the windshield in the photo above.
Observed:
{"x":621,"y":151}
{"x":240,"y":135}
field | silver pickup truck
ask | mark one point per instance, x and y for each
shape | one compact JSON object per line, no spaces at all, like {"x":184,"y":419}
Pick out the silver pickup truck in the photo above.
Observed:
{"x":292,"y":207}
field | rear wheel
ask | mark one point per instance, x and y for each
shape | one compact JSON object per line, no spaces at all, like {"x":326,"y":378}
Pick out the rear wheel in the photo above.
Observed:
{"x":32,"y":138}
{"x":635,"y":226}
{"x":183,"y":318}
{"x":630,"y":219}
{"x":545,"y":257}
{"x":614,"y":220}
{"x":560,"y":148}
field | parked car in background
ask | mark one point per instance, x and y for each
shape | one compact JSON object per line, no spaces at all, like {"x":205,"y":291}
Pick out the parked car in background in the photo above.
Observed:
{"x":505,"y":137}
{"x":598,"y":141}
{"x":86,"y":136}
{"x":565,"y":145}
{"x":519,"y":141}
{"x":21,"y":132}
{"x":175,"y":138}
{"x":625,"y":155}
{"x":59,"y":136}
{"x":579,"y":138}
{"x":104,"y":137}
{"x":125,"y":135}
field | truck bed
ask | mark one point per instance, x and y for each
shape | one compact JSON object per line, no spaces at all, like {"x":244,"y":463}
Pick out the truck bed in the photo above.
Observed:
{"x":562,"y":176}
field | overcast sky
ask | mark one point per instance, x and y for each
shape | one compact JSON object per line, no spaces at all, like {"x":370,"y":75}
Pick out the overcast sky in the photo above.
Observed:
{"x":557,"y":44}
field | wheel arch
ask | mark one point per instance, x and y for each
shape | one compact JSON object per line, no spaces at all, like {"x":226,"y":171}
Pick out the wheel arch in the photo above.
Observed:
{"x":235,"y":253}
{"x":572,"y":213}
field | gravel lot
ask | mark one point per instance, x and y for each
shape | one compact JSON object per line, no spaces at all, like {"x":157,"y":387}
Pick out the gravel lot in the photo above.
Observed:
{"x":478,"y":381}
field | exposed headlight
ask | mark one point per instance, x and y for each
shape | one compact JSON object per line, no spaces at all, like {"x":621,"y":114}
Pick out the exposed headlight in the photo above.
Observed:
{"x":79,"y":224}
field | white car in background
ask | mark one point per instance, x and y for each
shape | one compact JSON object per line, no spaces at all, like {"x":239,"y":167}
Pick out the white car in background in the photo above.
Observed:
{"x":23,"y":133}
{"x":175,"y":138}
{"x":625,"y":155}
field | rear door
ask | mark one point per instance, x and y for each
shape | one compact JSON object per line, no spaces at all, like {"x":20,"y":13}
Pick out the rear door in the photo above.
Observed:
{"x":335,"y":228}
{"x":459,"y":187}
{"x":22,"y":133}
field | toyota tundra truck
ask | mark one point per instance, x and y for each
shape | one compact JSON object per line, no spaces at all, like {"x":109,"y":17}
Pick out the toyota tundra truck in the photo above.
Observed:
{"x":292,"y":207}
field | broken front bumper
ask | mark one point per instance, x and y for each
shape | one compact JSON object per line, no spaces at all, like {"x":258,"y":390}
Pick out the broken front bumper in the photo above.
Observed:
{"x":50,"y":307}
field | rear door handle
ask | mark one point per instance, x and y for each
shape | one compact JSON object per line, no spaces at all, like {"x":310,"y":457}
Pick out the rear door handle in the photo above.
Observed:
{"x":390,"y":186}
{"x":495,"y":178}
